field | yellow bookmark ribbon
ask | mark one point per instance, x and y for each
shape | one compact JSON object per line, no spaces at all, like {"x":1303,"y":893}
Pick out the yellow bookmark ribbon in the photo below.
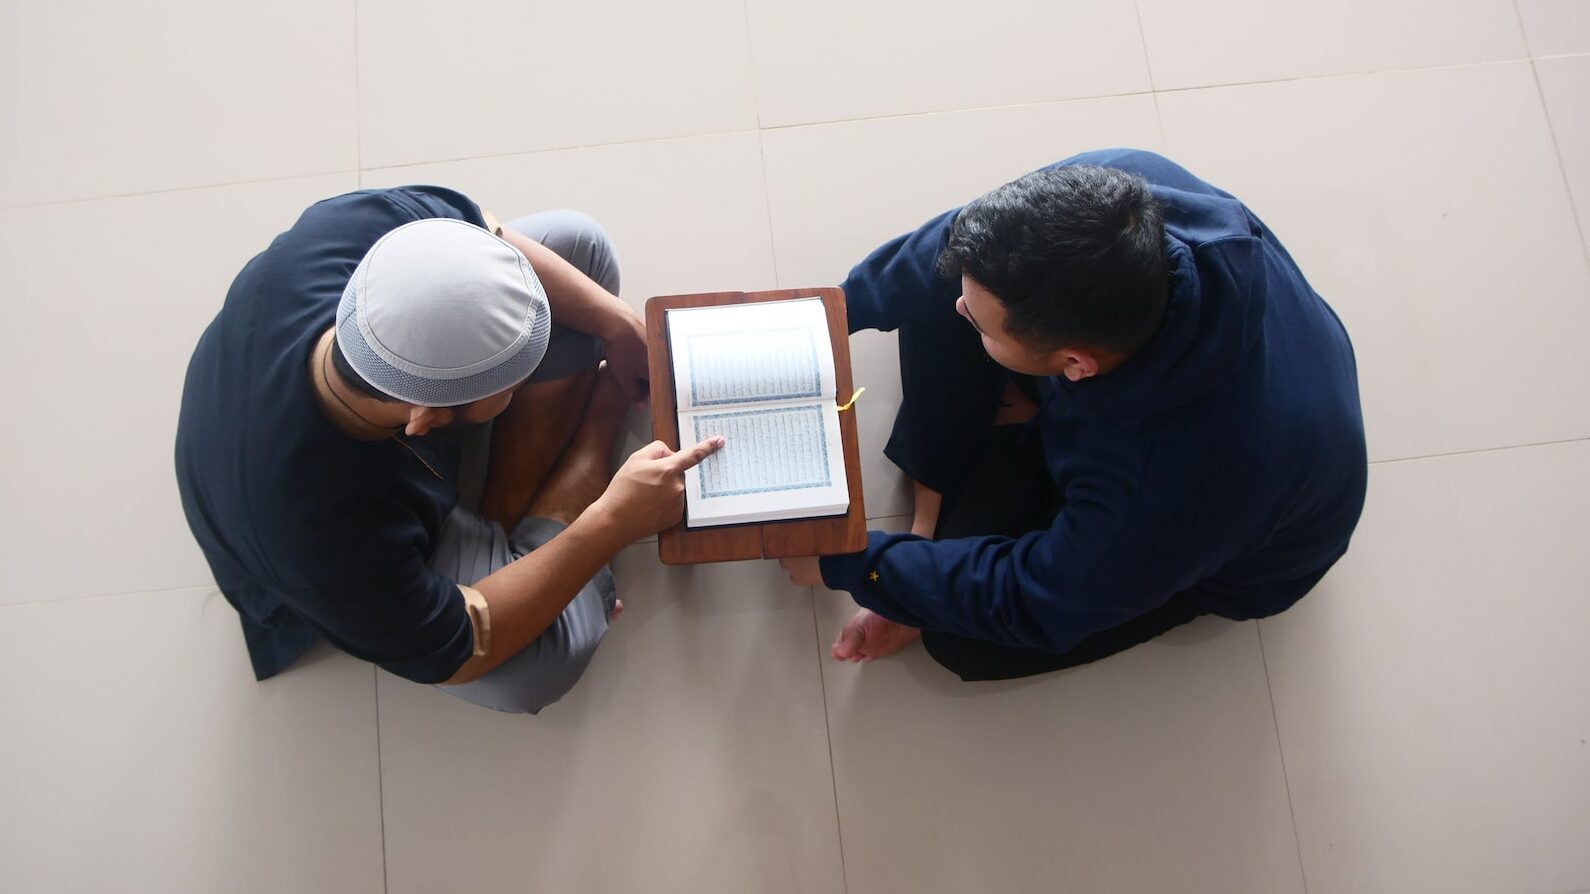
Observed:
{"x":852,"y":402}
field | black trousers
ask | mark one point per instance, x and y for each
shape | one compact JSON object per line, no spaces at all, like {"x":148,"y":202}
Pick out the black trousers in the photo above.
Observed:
{"x":1010,"y":493}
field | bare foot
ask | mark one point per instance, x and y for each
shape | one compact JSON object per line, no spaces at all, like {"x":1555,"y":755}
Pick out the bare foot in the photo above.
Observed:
{"x":868,"y":635}
{"x":618,"y":609}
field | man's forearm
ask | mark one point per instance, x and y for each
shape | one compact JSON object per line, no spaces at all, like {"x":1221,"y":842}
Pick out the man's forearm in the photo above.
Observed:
{"x":925,"y":511}
{"x":526,"y":596}
{"x":576,"y":300}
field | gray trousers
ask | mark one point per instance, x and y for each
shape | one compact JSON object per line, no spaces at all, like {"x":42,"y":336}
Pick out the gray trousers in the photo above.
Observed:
{"x":470,"y":547}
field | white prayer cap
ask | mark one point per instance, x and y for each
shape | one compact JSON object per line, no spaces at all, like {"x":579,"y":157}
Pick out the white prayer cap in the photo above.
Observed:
{"x":441,"y":313}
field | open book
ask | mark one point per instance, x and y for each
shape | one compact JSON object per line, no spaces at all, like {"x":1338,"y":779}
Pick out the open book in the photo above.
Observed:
{"x":761,"y":375}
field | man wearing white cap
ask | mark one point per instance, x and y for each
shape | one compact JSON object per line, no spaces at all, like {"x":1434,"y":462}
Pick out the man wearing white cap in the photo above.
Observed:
{"x":320,"y":457}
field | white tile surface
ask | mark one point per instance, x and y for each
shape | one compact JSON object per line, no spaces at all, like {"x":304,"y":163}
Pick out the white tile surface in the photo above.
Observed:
{"x":1556,"y":26}
{"x":101,"y":99}
{"x":1428,"y":208}
{"x":117,"y":293}
{"x":838,"y":191}
{"x":1565,"y":85}
{"x":828,"y":60}
{"x":693,"y":756}
{"x":1432,"y":693}
{"x":1237,"y":41}
{"x":1154,"y":770}
{"x":144,"y":756}
{"x":686,"y":215}
{"x":442,"y":81}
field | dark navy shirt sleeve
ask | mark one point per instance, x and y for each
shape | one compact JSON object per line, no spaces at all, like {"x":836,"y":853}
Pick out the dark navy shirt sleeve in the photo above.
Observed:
{"x":897,"y":283}
{"x":370,"y":592}
{"x":1109,"y":556}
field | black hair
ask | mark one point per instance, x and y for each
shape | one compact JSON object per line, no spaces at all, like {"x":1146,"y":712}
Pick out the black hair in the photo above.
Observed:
{"x":1075,"y":254}
{"x":351,"y":377}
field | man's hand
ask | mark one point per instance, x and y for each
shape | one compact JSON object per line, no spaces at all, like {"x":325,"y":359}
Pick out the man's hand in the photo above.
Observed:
{"x":803,"y":571}
{"x":626,"y":354}
{"x":581,"y":304}
{"x":647,"y":494}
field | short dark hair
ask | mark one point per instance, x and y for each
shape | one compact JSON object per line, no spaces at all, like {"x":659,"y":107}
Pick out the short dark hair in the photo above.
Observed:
{"x":351,"y":377}
{"x":1076,"y":255}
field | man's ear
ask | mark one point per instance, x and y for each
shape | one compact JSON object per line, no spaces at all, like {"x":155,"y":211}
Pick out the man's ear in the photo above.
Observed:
{"x":423,"y":419}
{"x":1075,"y":364}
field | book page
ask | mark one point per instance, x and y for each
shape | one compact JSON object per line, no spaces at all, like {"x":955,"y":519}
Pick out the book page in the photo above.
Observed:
{"x":777,"y":462}
{"x":758,"y":353}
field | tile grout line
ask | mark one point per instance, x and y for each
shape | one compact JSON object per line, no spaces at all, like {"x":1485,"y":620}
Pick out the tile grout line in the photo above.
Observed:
{"x":1523,"y":33}
{"x":380,"y":775}
{"x":761,"y":146}
{"x":767,"y":206}
{"x":358,"y":101}
{"x":1280,"y":750}
{"x":1562,"y":165}
{"x":1159,"y":121}
{"x":1551,"y":130}
{"x":375,"y":681}
{"x":1148,"y":64}
{"x":1142,"y":39}
{"x":1409,"y":459}
{"x":192,"y":187}
{"x":1222,"y":85}
{"x":828,"y":733}
{"x":157,"y":591}
{"x":26,"y":206}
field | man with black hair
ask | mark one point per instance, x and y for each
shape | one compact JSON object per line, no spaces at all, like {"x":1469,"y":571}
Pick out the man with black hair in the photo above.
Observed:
{"x":1124,"y":407}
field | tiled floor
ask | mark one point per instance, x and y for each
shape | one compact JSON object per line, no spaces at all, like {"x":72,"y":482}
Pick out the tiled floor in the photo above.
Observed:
{"x":1418,"y":724}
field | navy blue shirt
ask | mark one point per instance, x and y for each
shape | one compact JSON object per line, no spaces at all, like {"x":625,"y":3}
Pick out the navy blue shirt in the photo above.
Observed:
{"x":308,"y":531}
{"x":1224,"y":461}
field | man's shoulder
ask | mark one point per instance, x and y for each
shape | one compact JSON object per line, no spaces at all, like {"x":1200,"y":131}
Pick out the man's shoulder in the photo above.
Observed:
{"x":396,"y":206}
{"x":1151,"y":166}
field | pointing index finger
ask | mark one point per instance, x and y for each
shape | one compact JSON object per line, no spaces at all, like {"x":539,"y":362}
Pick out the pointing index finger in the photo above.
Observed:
{"x":685,"y":459}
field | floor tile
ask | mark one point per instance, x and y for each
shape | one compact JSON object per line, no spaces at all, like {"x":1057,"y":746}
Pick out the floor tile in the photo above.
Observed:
{"x":1565,"y":84}
{"x":1428,"y":208}
{"x":118,"y":292}
{"x":830,"y":60}
{"x":1556,"y":26}
{"x":100,"y":99}
{"x":141,"y":755}
{"x":1431,"y":695}
{"x":686,"y":215}
{"x":1193,"y":45}
{"x":1155,"y":770}
{"x":692,"y":757}
{"x":837,"y":191}
{"x":439,"y":81}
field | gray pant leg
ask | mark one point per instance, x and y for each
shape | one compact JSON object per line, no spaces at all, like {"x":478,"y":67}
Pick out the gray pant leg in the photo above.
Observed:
{"x":581,"y":241}
{"x":538,"y":675}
